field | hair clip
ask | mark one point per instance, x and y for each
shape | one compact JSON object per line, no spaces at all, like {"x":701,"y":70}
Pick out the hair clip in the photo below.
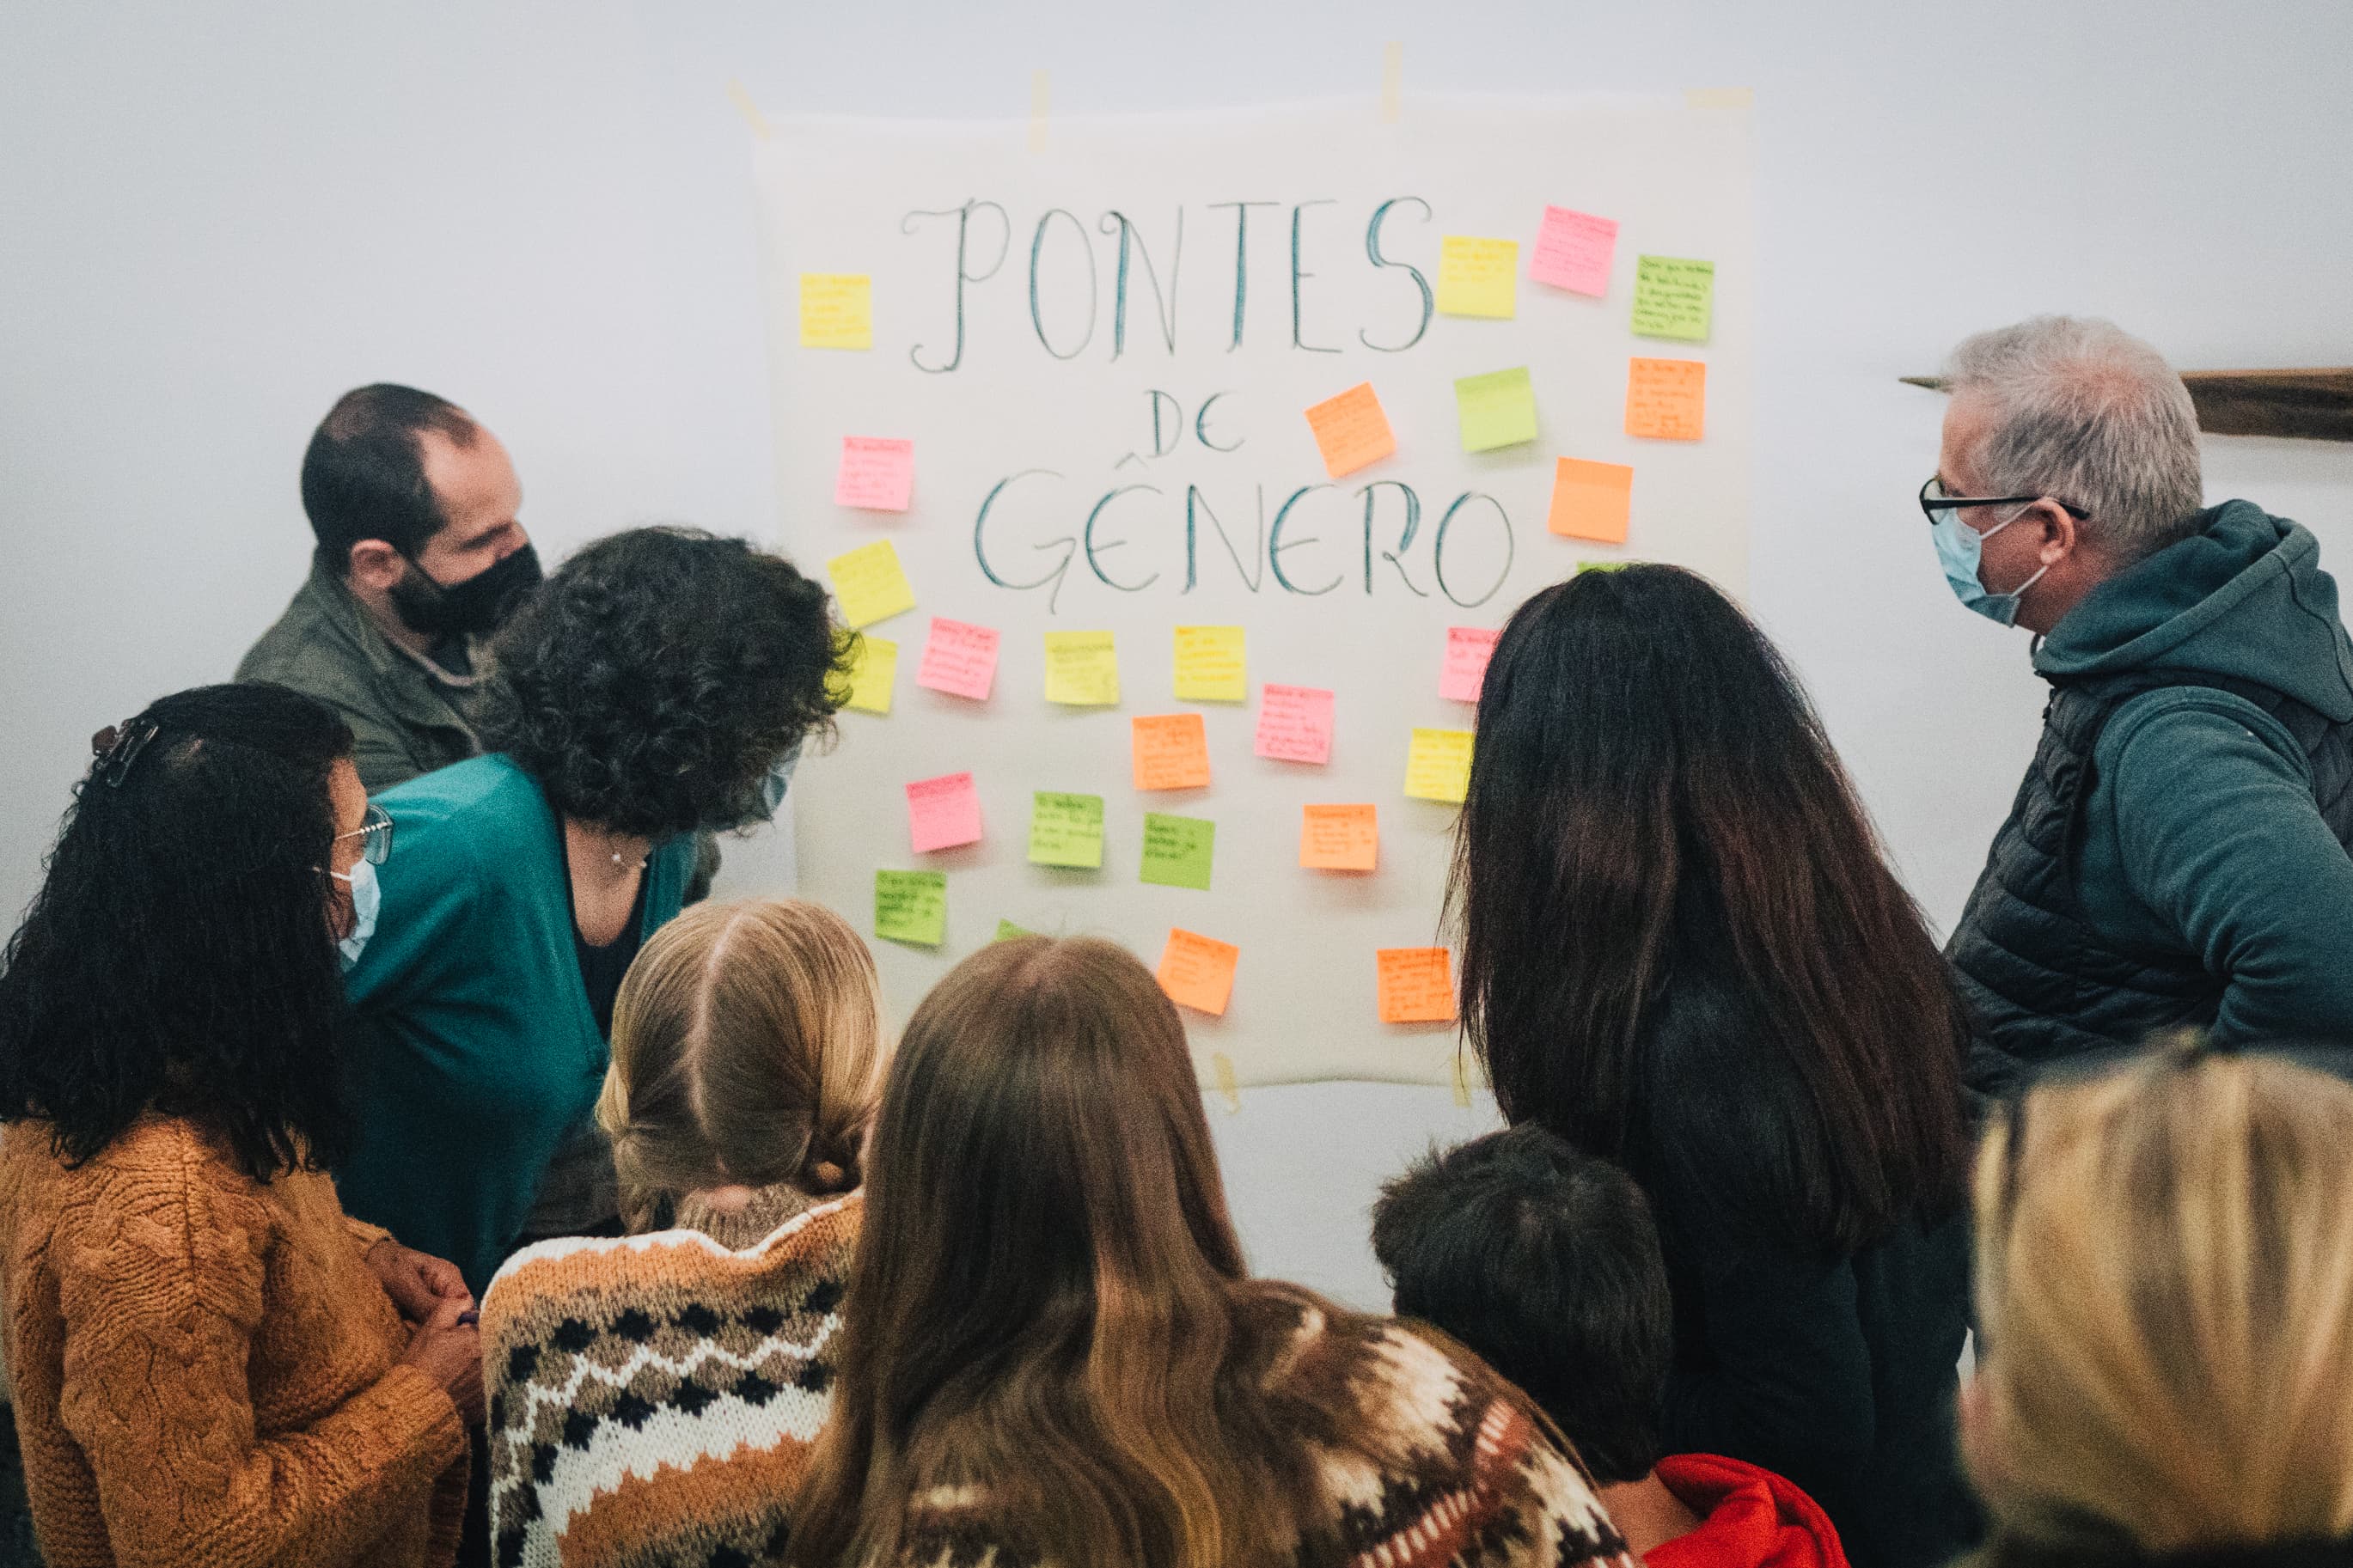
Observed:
{"x":116,"y":747}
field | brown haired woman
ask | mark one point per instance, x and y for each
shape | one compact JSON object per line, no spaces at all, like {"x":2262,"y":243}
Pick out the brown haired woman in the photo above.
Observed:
{"x":1682,"y":952}
{"x":1054,"y":1356}
{"x":653,"y":1399}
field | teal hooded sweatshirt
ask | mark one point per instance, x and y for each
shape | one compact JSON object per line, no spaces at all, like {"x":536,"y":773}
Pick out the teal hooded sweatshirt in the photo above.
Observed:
{"x":2202,"y":835}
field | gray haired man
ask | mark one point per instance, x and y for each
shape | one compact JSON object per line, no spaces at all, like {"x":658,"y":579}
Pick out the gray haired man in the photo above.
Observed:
{"x":2177,"y":853}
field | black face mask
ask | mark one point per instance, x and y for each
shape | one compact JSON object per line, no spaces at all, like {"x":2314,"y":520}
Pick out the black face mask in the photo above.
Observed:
{"x":475,"y":608}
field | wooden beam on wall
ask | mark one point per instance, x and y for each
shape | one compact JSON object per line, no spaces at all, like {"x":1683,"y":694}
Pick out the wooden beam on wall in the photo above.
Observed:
{"x":2300,"y":404}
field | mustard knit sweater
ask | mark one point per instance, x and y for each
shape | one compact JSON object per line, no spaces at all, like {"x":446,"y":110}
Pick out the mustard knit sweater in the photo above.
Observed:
{"x":205,"y":1366}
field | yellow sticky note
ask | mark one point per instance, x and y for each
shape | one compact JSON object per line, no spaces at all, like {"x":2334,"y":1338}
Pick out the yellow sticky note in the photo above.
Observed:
{"x":1081,"y":669}
{"x":1211,"y":664}
{"x":874,"y":670}
{"x":1591,"y":500}
{"x":1478,"y":277}
{"x":870,"y":585}
{"x":837,"y":310}
{"x":1438,"y":765}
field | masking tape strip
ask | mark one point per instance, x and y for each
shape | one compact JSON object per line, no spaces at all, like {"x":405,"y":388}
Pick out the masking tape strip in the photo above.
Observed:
{"x":1223,"y":1066}
{"x":1720,"y":98}
{"x":1041,"y":98}
{"x":1461,"y":1079}
{"x":1392,"y":82}
{"x":741,"y":98}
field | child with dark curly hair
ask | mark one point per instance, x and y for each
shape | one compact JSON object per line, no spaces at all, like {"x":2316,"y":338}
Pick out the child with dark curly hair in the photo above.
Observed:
{"x":661,"y":682}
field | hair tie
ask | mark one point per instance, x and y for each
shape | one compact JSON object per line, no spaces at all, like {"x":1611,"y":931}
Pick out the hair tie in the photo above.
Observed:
{"x":826,"y":1176}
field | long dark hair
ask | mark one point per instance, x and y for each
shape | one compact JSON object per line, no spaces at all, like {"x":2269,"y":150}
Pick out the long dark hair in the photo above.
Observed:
{"x":178,"y":957}
{"x":1657,"y":822}
{"x":1049,"y":1301}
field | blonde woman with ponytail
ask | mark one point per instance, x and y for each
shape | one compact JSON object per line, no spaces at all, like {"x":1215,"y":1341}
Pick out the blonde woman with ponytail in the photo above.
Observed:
{"x":654,"y":1398}
{"x":2166,"y":1298}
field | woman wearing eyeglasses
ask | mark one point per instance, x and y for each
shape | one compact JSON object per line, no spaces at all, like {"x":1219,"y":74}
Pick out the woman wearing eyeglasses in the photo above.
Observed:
{"x":659,"y":683}
{"x":211,"y":1363}
{"x":2166,"y":1305}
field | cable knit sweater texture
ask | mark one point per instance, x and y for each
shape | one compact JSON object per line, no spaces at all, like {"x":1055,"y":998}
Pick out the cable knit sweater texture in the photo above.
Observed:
{"x":206,"y":1367}
{"x":653,"y":1399}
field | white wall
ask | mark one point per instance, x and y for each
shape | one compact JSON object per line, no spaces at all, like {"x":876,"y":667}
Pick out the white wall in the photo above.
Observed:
{"x":215,"y":218}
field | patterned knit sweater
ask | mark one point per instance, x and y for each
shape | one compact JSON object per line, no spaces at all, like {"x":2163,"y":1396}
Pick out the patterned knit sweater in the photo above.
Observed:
{"x":653,"y":1399}
{"x":1471,"y":1478}
{"x":206,"y":1369}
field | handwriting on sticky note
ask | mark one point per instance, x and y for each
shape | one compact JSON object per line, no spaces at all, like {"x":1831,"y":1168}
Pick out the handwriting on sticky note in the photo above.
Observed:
{"x":1574,"y":251}
{"x":1591,"y":501}
{"x":1497,"y":409}
{"x":1066,"y":830}
{"x":1351,"y":431}
{"x":911,"y":906}
{"x":1294,"y":723}
{"x":1666,"y":399}
{"x":960,"y":659}
{"x":1438,"y":765}
{"x":1008,"y":931}
{"x":874,"y":670}
{"x":1197,"y":972}
{"x":1339,"y":838}
{"x":1171,"y":752}
{"x":1417,"y":986}
{"x":1178,"y":850}
{"x":1081,"y":669}
{"x":1478,"y":277}
{"x":837,"y":310}
{"x":876,"y":474}
{"x":943,"y":813}
{"x":1675,"y":296}
{"x":1468,"y":649}
{"x":1211,"y":665}
{"x":870,"y":584}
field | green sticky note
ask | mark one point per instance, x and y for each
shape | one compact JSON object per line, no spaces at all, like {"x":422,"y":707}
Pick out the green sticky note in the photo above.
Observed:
{"x":1177,"y":850}
{"x":1066,"y":830}
{"x":1498,"y":410}
{"x":1006,"y":931}
{"x":1675,"y":296}
{"x":911,"y":906}
{"x":1584,"y":566}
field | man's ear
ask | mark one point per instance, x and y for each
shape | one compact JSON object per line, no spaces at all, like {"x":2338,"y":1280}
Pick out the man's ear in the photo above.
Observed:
{"x":2055,"y":531}
{"x":375,"y":566}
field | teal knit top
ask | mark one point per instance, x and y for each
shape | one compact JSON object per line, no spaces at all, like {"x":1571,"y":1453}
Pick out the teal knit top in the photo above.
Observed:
{"x":475,"y":1050}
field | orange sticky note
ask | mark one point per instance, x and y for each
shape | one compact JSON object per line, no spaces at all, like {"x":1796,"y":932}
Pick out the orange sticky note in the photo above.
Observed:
{"x":1666,"y":399}
{"x":1417,"y":986}
{"x":1339,"y":838}
{"x":1351,"y":431}
{"x":1197,"y":972}
{"x":1592,"y":500}
{"x":1172,"y":752}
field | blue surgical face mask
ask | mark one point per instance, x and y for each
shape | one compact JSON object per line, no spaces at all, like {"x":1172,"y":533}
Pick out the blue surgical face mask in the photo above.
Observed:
{"x":779,"y":779}
{"x":1960,"y":549}
{"x":366,"y":900}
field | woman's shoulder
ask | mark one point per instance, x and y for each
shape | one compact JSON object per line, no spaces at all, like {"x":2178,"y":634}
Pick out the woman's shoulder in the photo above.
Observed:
{"x":164,"y":1188}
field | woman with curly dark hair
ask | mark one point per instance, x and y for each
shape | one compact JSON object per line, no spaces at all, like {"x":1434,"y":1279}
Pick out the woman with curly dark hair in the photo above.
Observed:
{"x":659,"y":683}
{"x":211,"y":1362}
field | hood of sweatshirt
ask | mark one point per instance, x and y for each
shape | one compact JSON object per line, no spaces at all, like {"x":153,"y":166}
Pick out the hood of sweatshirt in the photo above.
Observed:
{"x":2243,"y":596}
{"x":1748,"y":1518}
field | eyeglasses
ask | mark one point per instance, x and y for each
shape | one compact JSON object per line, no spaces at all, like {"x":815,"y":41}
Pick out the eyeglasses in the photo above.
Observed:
{"x":375,"y":833}
{"x":1934,"y":499}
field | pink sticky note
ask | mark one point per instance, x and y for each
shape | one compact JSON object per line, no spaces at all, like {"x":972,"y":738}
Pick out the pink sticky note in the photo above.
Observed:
{"x":960,"y":659}
{"x":1574,"y":251}
{"x":1294,"y":723}
{"x":877,"y":474}
{"x":1468,"y":649}
{"x":943,"y":813}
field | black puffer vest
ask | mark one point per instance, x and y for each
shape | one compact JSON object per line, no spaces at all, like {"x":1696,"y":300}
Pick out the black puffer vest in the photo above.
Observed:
{"x":2042,"y":981}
